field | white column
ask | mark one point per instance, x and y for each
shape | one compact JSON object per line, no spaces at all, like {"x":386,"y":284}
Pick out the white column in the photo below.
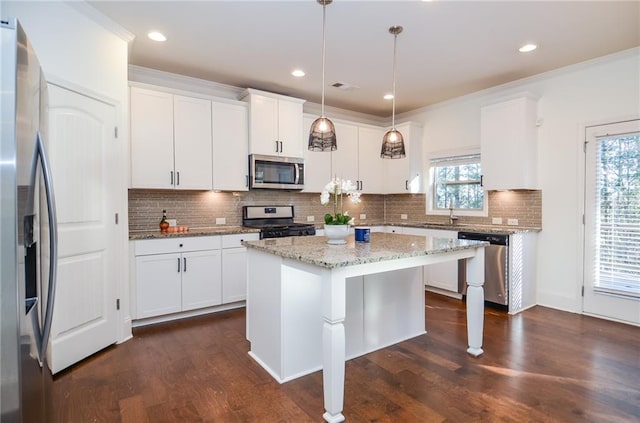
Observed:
{"x":475,"y":302}
{"x":333,"y":343}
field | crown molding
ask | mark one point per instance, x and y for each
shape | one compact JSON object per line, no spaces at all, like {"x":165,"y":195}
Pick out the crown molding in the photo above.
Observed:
{"x":92,"y":13}
{"x":182,"y":82}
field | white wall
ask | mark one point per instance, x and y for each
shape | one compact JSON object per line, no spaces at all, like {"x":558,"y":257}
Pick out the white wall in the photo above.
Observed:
{"x":80,"y":54}
{"x":602,"y":90}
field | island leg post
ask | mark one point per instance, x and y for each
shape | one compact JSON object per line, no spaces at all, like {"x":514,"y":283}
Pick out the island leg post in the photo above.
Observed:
{"x":475,"y":302}
{"x":333,"y":344}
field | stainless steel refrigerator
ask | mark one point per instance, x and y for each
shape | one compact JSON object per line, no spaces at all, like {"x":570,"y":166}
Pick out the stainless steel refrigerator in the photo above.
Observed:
{"x":28,"y":233}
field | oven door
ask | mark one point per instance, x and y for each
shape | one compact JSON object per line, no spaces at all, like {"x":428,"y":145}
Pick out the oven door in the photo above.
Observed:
{"x":275,"y":172}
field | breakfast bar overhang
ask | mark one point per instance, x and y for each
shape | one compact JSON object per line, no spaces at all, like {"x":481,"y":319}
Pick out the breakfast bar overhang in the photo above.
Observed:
{"x":311,"y":306}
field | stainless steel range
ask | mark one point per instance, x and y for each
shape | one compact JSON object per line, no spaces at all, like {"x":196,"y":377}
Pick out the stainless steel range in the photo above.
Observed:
{"x":274,"y":221}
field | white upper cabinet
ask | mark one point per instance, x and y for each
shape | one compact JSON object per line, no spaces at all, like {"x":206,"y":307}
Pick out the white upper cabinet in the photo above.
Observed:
{"x":275,"y":124}
{"x":508,"y":146}
{"x":317,"y":164}
{"x":170,"y":141}
{"x":230,"y":147}
{"x":151,"y":139}
{"x":358,"y":156}
{"x":404,"y":176}
{"x":370,"y":165}
{"x":344,"y":160}
{"x":192,"y":142}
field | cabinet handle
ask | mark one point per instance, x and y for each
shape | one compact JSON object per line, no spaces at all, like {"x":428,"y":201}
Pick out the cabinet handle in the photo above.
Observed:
{"x":247,"y":180}
{"x":178,"y":264}
{"x":481,"y":180}
{"x":281,"y":146}
{"x":171,"y":177}
{"x":177,"y":178}
{"x":276,"y":146}
{"x":185,"y":264}
{"x":406,"y":185}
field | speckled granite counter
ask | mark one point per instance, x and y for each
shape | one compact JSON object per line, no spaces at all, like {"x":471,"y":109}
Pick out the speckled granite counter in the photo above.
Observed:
{"x":216,"y":230}
{"x":467,"y":227}
{"x":383,"y":246}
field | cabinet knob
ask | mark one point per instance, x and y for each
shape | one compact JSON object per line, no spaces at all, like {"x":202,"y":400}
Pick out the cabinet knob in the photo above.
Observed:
{"x":180,"y":245}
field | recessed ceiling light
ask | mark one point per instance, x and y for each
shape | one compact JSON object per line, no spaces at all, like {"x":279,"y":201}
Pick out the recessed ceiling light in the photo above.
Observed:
{"x":388,"y":97}
{"x":298,"y":73}
{"x":527,"y":48}
{"x":156,"y":36}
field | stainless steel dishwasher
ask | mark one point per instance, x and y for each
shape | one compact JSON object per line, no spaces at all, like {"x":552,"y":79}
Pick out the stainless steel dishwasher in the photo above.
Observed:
{"x":496,"y":267}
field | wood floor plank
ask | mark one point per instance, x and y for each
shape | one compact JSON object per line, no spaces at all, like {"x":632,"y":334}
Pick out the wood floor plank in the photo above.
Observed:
{"x":541,"y":365}
{"x":133,"y":410}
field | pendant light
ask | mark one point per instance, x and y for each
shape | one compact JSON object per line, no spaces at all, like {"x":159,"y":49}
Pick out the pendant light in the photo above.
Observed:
{"x":322,"y":135}
{"x":393,"y":141}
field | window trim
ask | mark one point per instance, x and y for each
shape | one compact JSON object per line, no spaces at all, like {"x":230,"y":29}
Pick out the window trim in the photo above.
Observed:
{"x":455,"y":157}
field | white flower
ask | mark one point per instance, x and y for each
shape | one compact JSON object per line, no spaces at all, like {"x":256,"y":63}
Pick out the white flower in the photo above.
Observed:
{"x":336,"y":188}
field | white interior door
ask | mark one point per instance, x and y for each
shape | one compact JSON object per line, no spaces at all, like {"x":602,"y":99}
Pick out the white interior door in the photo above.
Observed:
{"x":612,"y":222}
{"x":83,"y":150}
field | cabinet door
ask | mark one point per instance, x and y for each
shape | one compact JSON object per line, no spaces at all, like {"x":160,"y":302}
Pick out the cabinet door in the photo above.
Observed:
{"x":201,"y":279}
{"x":508,"y":144}
{"x":192,"y":143}
{"x":263,"y":125}
{"x":344,"y":161}
{"x":230,"y":147}
{"x":370,"y":165}
{"x":317,"y":165}
{"x":403,"y":176}
{"x":158,"y":285}
{"x":290,"y":128}
{"x":151,"y":139}
{"x":234,"y":274}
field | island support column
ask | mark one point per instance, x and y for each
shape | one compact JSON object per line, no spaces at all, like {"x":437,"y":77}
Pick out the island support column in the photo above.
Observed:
{"x":475,"y":302}
{"x":333,"y":343}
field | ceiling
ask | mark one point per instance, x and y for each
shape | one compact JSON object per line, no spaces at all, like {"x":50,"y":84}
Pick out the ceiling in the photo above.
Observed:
{"x":447,"y":48}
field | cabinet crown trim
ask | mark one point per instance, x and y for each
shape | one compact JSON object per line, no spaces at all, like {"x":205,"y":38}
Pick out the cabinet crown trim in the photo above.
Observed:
{"x":253,"y":91}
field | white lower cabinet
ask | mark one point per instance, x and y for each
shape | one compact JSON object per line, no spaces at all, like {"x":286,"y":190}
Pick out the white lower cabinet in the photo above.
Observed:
{"x":201,"y":279}
{"x":176,"y":275}
{"x":158,"y":285}
{"x":234,"y":267}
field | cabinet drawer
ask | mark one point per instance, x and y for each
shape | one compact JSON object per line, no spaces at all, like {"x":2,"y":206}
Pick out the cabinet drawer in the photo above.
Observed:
{"x":235,"y":240}
{"x":176,"y":245}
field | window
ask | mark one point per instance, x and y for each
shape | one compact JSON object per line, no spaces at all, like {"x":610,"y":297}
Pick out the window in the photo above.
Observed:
{"x":456,"y":182}
{"x":618,"y":214}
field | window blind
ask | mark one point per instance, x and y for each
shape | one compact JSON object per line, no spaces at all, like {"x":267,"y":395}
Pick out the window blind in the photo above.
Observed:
{"x":617,"y":266}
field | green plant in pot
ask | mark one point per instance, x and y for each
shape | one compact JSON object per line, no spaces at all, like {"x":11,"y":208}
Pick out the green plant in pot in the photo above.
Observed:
{"x":333,"y":193}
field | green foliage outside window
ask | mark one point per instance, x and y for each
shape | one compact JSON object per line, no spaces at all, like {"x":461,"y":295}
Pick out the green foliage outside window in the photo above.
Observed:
{"x":458,"y":184}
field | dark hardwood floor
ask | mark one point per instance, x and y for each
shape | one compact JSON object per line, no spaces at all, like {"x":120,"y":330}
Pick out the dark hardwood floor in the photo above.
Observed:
{"x":542,"y":365}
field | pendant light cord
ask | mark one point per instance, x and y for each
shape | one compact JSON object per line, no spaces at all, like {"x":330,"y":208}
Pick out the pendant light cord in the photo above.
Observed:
{"x":393,"y":105}
{"x":324,"y":43}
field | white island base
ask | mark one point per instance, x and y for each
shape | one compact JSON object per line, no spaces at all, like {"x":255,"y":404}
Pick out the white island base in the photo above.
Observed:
{"x":304,"y":317}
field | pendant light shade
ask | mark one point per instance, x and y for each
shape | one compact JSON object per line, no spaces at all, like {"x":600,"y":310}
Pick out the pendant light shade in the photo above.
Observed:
{"x":322,"y":135}
{"x":393,"y":141}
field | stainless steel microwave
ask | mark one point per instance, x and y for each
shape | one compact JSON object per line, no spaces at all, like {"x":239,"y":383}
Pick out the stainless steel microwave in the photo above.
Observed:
{"x":276,"y":172}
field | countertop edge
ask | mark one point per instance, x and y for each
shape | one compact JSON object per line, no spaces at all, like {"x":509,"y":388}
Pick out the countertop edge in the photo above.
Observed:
{"x":226,"y":230}
{"x":289,"y":252}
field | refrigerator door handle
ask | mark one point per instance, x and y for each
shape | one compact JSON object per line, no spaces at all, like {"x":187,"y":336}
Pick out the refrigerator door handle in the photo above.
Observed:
{"x":53,"y":244}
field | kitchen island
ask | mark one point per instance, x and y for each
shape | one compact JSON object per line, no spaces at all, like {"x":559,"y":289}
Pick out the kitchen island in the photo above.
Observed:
{"x":311,"y":305}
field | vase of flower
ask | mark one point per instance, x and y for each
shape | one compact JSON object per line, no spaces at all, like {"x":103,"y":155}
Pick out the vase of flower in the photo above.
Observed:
{"x":336,"y":225}
{"x":336,"y":234}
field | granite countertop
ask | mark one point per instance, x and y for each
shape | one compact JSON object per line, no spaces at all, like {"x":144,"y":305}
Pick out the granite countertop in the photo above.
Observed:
{"x":468,"y":227}
{"x":383,"y":246}
{"x":216,"y":230}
